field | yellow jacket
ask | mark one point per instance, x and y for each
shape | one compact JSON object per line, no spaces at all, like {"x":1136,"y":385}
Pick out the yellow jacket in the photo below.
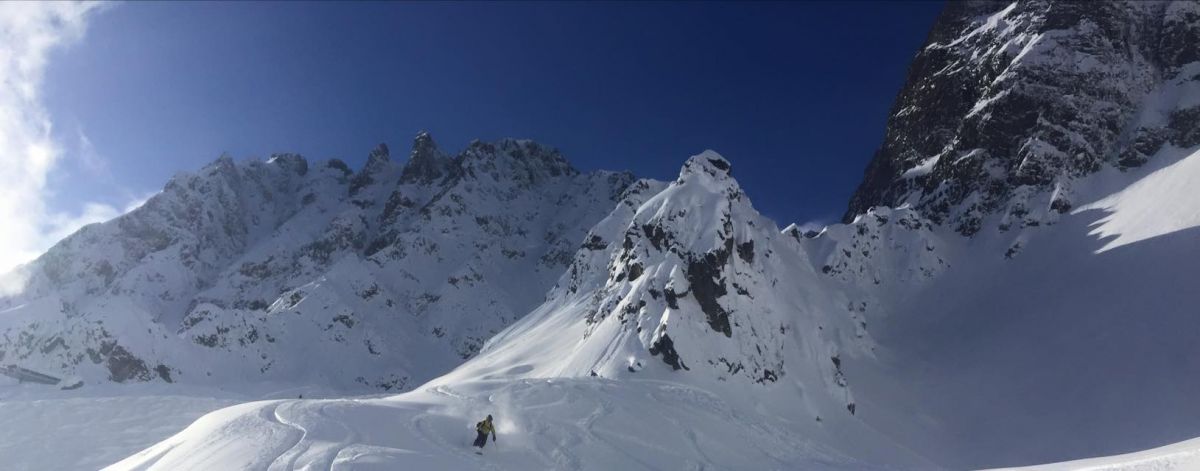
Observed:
{"x":485,"y":427}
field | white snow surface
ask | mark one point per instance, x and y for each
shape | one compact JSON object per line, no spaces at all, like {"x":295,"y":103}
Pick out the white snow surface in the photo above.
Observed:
{"x":1180,"y":456}
{"x":44,"y":429}
{"x":564,"y":423}
{"x":1160,"y":203}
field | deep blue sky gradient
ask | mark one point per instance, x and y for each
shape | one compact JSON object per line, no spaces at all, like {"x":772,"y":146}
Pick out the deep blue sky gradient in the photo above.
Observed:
{"x":795,"y":94}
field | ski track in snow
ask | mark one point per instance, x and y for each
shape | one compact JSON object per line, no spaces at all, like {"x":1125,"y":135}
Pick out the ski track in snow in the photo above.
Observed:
{"x":541,"y":424}
{"x":319,"y":447}
{"x":282,"y":461}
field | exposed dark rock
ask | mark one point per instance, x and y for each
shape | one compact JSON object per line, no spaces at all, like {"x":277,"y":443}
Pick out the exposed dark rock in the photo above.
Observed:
{"x":635,"y":271}
{"x":164,"y":372}
{"x":672,"y":298}
{"x":426,"y":163}
{"x":594,"y":242}
{"x":745,"y":250}
{"x":376,"y":161}
{"x":707,"y":284}
{"x":665,"y":347}
{"x":122,"y":365}
{"x":657,"y":236}
{"x":291,"y":162}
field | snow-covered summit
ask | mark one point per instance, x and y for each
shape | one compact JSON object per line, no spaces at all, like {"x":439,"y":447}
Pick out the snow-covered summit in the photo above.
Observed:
{"x":687,"y":282}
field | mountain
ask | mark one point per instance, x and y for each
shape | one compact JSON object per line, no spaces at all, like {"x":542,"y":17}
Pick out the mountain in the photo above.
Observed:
{"x":891,"y":343}
{"x":1013,"y":284}
{"x":1011,"y":106}
{"x":689,"y":332}
{"x":296,"y":272}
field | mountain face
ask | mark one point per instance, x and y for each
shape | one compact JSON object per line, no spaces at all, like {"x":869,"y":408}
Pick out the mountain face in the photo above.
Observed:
{"x":1011,"y":104}
{"x":296,"y":271}
{"x":686,"y":282}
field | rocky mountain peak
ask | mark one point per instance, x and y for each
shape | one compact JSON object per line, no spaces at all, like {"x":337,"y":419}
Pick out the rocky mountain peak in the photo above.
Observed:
{"x":710,"y":170}
{"x":224,"y":164}
{"x":683,"y":282}
{"x":426,"y":163}
{"x":1010,"y":104}
{"x":293,"y":163}
{"x":707,"y":163}
{"x":378,"y":161}
{"x":378,"y":156}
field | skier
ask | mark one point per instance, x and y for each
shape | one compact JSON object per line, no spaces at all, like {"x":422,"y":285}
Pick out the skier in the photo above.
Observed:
{"x":484,"y":427}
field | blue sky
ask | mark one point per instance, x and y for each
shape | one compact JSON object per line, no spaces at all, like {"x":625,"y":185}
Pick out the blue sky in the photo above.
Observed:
{"x":795,"y":94}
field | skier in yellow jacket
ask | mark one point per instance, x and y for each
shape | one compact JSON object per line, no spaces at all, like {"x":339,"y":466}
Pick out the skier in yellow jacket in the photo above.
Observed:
{"x":484,"y":428}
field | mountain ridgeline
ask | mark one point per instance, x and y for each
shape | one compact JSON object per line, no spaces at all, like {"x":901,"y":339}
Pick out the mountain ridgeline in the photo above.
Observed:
{"x":299,"y":271}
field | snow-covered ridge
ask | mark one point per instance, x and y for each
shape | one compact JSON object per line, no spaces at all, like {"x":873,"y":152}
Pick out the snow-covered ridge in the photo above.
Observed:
{"x":246,"y":270}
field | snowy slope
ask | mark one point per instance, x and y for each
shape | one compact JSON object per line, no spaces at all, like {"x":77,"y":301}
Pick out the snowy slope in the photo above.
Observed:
{"x":286,"y":271}
{"x":1066,"y":348}
{"x":954,"y":353}
{"x":1179,"y":456}
{"x":1160,"y":203}
{"x":667,"y":344}
{"x":583,"y":423}
{"x":44,"y":429}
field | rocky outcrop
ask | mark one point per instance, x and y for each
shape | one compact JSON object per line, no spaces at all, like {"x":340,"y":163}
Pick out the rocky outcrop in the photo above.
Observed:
{"x":1009,"y":104}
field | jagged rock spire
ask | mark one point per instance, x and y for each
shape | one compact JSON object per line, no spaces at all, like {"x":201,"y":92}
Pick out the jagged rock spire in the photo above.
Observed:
{"x":377,"y":160}
{"x":378,"y":156}
{"x":294,"y":163}
{"x":426,"y":163}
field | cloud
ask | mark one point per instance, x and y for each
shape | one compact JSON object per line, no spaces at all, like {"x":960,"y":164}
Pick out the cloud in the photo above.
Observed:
{"x":91,"y":160}
{"x":29,"y":32}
